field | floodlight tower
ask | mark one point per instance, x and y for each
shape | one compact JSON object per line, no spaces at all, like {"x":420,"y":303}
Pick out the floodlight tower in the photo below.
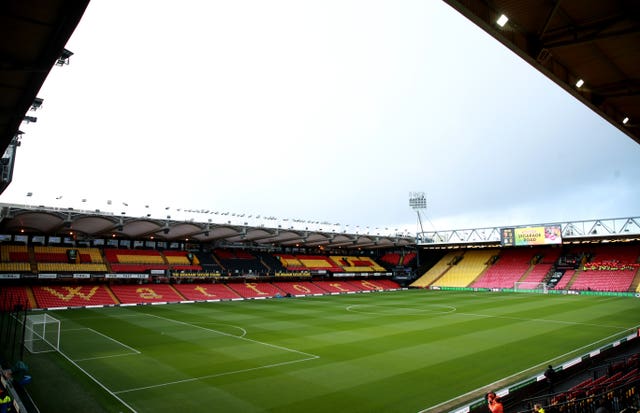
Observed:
{"x":418,"y":201}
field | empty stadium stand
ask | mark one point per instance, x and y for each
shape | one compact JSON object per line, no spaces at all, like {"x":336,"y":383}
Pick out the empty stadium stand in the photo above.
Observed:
{"x":73,"y":296}
{"x":146,"y":293}
{"x":510,"y":267}
{"x":356,"y":263}
{"x":239,"y":262}
{"x":13,"y":297}
{"x":472,"y":264}
{"x":181,"y":260}
{"x":299,"y":288}
{"x":374,"y":285}
{"x":336,"y":286}
{"x":437,"y":270}
{"x":256,"y":290}
{"x":68,"y":260}
{"x":203,"y":292}
{"x":14,"y":258}
{"x":134,"y":261}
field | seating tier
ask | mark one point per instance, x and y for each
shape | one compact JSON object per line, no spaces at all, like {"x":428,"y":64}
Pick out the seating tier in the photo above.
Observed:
{"x":125,"y":256}
{"x":336,"y":286}
{"x":357,"y":264}
{"x":467,"y":269}
{"x":373,"y":285}
{"x":200,"y":292}
{"x":10,"y":296}
{"x":436,"y":271}
{"x":14,"y":253}
{"x":145,"y":293}
{"x":299,"y":288}
{"x":510,"y":267}
{"x":255,"y":290}
{"x":598,"y":280}
{"x":72,"y":296}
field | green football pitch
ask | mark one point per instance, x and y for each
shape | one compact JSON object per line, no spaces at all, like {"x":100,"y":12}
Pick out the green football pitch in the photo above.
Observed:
{"x":405,"y":351}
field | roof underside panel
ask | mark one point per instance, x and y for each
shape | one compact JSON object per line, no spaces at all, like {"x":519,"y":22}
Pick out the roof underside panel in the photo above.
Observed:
{"x":33,"y":34}
{"x":567,"y":40}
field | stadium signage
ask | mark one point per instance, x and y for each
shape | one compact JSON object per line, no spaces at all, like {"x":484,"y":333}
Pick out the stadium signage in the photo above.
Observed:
{"x":9,"y":276}
{"x":81,"y":275}
{"x":47,"y":276}
{"x":143,"y":276}
{"x":540,"y":235}
{"x":361,"y":274}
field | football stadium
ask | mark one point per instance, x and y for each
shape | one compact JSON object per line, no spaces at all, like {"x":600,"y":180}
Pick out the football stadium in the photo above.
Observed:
{"x":110,"y":310}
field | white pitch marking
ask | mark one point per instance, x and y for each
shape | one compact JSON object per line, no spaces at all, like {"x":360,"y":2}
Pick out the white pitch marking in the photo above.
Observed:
{"x":544,"y":363}
{"x":226,"y":373}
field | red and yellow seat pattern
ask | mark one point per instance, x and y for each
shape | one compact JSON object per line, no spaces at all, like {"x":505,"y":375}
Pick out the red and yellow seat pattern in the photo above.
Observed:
{"x":336,"y":286}
{"x":135,"y":261}
{"x":357,"y":264}
{"x":146,"y":293}
{"x":179,"y":261}
{"x":56,"y":259}
{"x":256,"y":290}
{"x":333,"y":264}
{"x":201,"y":292}
{"x":14,"y":258}
{"x":72,"y":296}
{"x":299,"y":288}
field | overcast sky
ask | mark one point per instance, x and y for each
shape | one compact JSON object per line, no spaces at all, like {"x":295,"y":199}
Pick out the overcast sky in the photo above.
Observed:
{"x":325,"y":110}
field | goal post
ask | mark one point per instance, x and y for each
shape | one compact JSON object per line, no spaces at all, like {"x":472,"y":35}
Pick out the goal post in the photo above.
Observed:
{"x":41,"y":333}
{"x":526,"y":286}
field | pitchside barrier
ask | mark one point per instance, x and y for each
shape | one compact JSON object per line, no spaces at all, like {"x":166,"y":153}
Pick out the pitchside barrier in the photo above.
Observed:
{"x":585,"y":358}
{"x":562,"y":292}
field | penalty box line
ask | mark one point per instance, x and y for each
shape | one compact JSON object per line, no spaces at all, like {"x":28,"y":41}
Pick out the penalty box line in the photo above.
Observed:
{"x":307,"y":357}
{"x":93,"y":378}
{"x":133,"y":350}
{"x":210,"y":376}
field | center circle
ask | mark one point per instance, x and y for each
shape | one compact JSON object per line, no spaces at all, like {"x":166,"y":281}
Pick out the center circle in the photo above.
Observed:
{"x":376,"y":309}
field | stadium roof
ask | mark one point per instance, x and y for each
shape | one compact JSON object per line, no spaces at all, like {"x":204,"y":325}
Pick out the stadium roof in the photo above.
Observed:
{"x":591,"y":43}
{"x":87,"y":225}
{"x":33,"y":34}
{"x":595,"y":41}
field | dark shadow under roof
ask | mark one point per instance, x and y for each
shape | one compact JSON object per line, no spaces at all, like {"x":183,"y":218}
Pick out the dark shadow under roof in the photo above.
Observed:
{"x":597,"y":41}
{"x":33,"y":34}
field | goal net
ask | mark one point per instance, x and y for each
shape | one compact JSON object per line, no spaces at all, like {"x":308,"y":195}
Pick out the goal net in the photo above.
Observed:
{"x":530,"y":287}
{"x":41,"y":333}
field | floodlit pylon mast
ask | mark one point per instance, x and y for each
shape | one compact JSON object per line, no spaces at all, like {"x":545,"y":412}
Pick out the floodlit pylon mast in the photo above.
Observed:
{"x":418,"y":201}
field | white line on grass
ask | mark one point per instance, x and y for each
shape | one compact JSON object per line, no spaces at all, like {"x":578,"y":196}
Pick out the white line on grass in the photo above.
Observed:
{"x":311,"y":356}
{"x":133,"y":350}
{"x":543,"y":320}
{"x":115,"y":341}
{"x":33,"y":402}
{"x":105,"y":357}
{"x":419,"y":311}
{"x":544,"y":363}
{"x":98,"y":382}
{"x":244,"y":332}
{"x":226,"y":373}
{"x":308,"y":358}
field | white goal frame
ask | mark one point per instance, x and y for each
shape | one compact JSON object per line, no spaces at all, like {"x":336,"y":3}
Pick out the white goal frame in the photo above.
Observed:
{"x":530,"y":286}
{"x":41,"y":333}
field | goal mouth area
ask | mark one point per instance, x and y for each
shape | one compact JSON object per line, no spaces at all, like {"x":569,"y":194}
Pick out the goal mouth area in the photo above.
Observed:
{"x":525,"y":286}
{"x":41,"y":333}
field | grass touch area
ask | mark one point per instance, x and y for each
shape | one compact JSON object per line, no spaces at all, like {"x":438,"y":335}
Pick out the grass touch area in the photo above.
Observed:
{"x":394,"y":351}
